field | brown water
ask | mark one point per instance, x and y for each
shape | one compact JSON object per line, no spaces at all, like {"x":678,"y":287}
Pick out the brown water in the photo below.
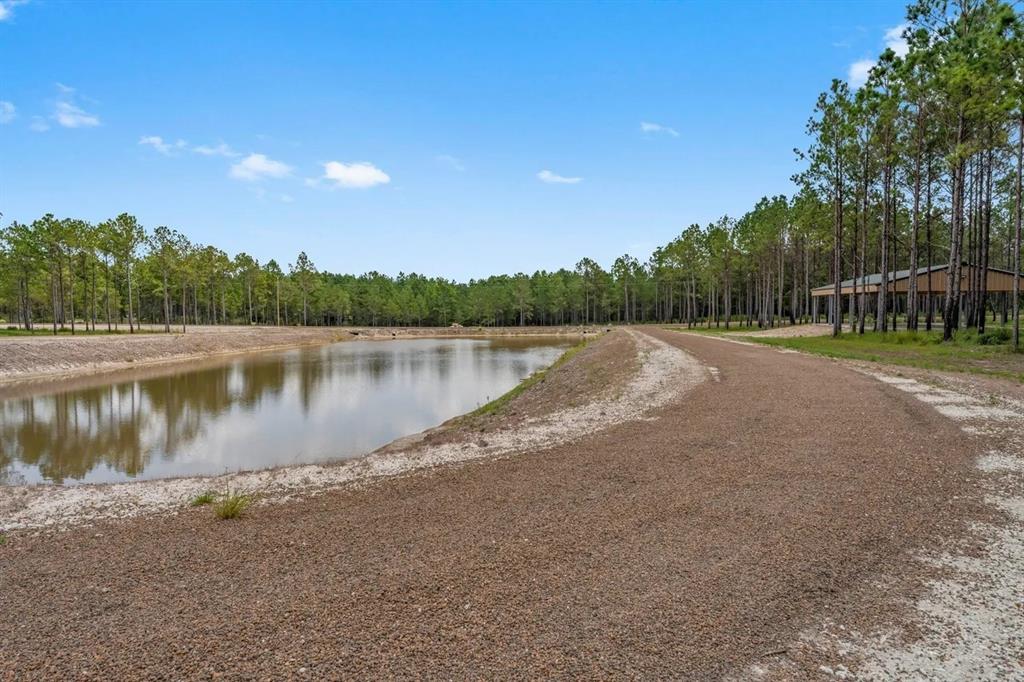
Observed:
{"x":293,"y":407}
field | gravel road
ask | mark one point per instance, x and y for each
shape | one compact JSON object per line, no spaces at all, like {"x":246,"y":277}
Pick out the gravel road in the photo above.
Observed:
{"x":689,"y":544}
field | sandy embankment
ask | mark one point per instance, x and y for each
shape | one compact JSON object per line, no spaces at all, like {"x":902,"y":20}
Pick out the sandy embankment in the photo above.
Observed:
{"x":36,"y":359}
{"x":618,"y":379}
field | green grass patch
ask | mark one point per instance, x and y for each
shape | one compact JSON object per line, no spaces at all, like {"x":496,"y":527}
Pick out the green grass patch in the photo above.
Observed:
{"x":532,"y":380}
{"x":232,"y":505}
{"x":203,"y":499}
{"x":988,"y":353}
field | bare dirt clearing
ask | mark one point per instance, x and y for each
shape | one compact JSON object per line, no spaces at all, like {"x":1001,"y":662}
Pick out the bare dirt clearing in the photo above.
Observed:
{"x":690,"y":538}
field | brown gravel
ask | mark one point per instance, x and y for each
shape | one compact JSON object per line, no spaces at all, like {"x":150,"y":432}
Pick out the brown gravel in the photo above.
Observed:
{"x":687,"y":546}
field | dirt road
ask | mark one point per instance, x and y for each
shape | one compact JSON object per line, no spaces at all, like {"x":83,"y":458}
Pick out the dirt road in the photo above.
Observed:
{"x":689,"y":545}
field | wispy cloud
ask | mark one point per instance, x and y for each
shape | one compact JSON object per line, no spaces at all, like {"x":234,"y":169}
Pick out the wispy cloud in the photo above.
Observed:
{"x":157,"y":143}
{"x":68,"y":114}
{"x":7,"y":112}
{"x":38,"y":125}
{"x":257,"y":167}
{"x":354,"y":175}
{"x":859,"y":72}
{"x":220,"y":149}
{"x":555,"y":179}
{"x":654,"y":128}
{"x":450,"y":161}
{"x":7,"y":8}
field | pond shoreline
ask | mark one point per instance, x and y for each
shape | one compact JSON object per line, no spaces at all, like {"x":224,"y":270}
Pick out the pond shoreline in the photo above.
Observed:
{"x":536,"y":419}
{"x":38,"y":363}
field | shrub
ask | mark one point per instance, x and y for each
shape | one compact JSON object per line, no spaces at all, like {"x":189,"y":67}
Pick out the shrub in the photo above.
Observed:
{"x":994,"y":337}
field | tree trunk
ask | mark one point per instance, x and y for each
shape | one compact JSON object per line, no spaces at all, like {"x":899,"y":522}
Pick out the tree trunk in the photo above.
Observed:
{"x":1016,"y":233}
{"x":951,"y":306}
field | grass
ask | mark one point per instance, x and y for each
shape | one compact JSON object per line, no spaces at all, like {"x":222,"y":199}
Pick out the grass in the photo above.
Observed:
{"x":988,"y":353}
{"x":203,"y":499}
{"x":232,"y":505}
{"x":532,"y":380}
{"x":3,"y":539}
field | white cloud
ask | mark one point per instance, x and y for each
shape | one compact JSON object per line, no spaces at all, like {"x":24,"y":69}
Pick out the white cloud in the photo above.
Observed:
{"x":68,"y":114}
{"x":895,"y":41}
{"x":7,"y":8}
{"x":157,"y":143}
{"x":220,"y":150}
{"x":257,"y":167}
{"x":859,"y":72}
{"x":38,"y":124}
{"x":450,"y":162}
{"x":71,"y":116}
{"x":7,"y":112}
{"x":555,"y":179}
{"x":287,"y":198}
{"x":355,"y":175}
{"x":648,"y":127}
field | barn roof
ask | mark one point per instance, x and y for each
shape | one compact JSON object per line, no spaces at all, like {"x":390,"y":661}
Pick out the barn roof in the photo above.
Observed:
{"x":875,"y":279}
{"x":872,"y":281}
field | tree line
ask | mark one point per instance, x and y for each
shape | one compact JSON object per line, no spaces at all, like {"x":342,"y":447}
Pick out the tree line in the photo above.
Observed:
{"x":919,"y":166}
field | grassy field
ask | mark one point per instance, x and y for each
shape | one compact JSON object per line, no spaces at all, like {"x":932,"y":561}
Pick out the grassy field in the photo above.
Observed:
{"x":990,"y":353}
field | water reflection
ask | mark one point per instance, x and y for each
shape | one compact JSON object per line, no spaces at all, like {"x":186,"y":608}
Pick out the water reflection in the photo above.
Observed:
{"x":299,"y":406}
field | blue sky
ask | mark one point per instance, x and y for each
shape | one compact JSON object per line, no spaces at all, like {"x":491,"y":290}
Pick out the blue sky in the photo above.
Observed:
{"x":454,"y":139}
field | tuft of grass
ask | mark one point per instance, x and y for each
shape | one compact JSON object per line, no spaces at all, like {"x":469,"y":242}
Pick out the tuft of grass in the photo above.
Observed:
{"x":232,"y":505}
{"x":203,"y":499}
{"x":3,"y":539}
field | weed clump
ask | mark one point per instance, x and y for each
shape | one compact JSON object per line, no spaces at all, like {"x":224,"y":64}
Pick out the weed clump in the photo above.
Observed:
{"x":232,"y":505}
{"x":203,"y":499}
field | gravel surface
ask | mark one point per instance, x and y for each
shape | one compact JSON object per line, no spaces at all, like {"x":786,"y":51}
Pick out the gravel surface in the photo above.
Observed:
{"x":960,"y":600}
{"x":695,"y":539}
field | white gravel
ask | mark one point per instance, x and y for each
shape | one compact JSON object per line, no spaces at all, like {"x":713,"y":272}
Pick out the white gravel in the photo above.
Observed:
{"x":665,"y":373}
{"x":971,"y":618}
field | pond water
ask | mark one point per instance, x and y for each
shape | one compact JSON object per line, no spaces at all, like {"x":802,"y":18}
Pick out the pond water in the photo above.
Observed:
{"x":257,"y":411}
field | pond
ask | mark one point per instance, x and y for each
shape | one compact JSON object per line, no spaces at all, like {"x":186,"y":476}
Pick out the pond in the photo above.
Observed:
{"x":257,"y":411}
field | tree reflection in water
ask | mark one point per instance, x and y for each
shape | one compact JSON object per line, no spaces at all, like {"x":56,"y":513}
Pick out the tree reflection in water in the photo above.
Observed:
{"x":257,"y":411}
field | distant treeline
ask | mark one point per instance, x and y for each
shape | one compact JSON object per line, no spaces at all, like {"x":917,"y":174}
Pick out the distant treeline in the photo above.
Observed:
{"x":919,"y":166}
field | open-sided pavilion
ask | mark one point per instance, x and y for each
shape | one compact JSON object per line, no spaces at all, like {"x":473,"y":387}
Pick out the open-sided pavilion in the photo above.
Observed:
{"x":931,"y":286}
